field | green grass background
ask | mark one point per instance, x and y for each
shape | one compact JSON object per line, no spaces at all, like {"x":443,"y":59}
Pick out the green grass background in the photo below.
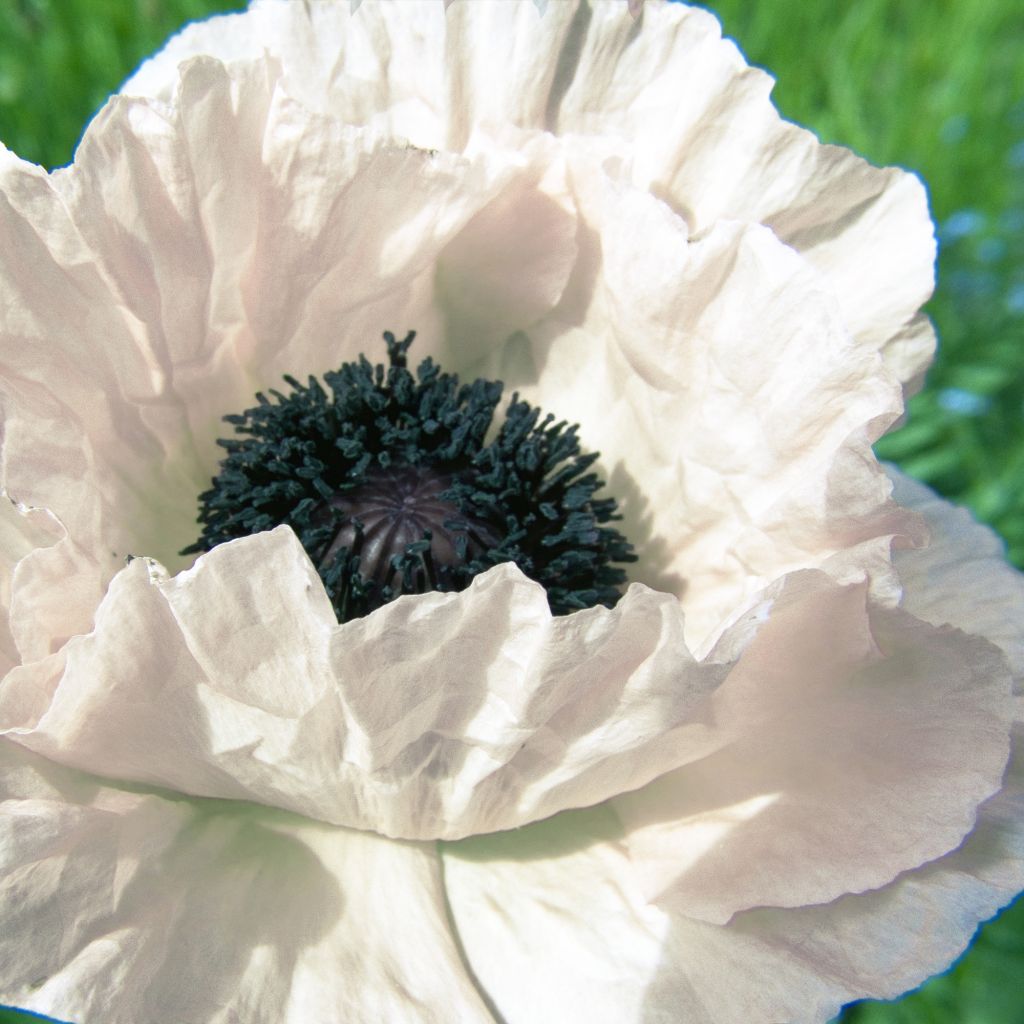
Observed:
{"x":936,"y":86}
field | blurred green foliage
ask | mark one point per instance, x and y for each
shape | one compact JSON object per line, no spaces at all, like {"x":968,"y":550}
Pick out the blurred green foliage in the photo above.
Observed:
{"x":61,"y":59}
{"x":936,"y":86}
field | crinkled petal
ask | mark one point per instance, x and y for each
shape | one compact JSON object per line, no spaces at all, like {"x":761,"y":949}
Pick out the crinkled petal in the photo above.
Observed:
{"x":425,"y":70}
{"x":838,"y":719}
{"x":196,"y":252}
{"x":509,"y":267}
{"x":704,"y":135}
{"x":215,"y":259}
{"x":693,"y":121}
{"x":23,"y":533}
{"x":541,"y":911}
{"x":909,"y":353}
{"x":556,"y":927}
{"x":440,"y":715}
{"x":125,"y":907}
{"x":732,"y":411}
{"x":961,"y":577}
{"x":713,"y":371}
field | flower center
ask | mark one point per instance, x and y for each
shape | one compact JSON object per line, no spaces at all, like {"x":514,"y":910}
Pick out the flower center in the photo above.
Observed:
{"x":395,"y":510}
{"x":392,"y":489}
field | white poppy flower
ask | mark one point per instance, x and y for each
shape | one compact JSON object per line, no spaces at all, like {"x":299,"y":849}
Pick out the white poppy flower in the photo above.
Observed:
{"x":772,"y":778}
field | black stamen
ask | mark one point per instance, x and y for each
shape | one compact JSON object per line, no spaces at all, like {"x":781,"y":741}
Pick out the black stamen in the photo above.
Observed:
{"x":391,"y":489}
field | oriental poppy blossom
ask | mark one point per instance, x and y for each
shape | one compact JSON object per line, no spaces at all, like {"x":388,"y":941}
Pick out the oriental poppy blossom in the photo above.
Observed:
{"x":454,"y":770}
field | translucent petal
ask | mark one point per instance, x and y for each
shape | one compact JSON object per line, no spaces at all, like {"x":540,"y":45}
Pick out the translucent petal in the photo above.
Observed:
{"x":554,"y":922}
{"x":436,"y":716}
{"x":575,"y":916}
{"x":194,"y":254}
{"x":732,"y":410}
{"x":123,"y":906}
{"x":694,"y":123}
{"x":838,"y":720}
{"x":961,"y":577}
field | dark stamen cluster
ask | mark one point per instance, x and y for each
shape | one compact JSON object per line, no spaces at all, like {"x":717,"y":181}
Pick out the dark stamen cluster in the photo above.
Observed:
{"x":392,"y":489}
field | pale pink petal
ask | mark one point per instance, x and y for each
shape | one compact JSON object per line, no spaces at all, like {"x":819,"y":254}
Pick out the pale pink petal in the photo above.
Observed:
{"x":909,"y":353}
{"x":538,"y":910}
{"x":192,"y":255}
{"x":554,"y":923}
{"x":714,"y":372}
{"x":732,"y":411}
{"x":509,"y":266}
{"x":55,"y":589}
{"x":436,"y":716}
{"x":703,"y":134}
{"x":838,"y":719}
{"x":961,"y":577}
{"x":24,"y":532}
{"x":122,"y":907}
{"x":423,"y":70}
{"x":694,"y":122}
{"x":445,"y":715}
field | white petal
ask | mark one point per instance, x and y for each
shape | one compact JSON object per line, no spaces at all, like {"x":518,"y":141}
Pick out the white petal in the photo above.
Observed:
{"x":234,"y":681}
{"x":25,"y":534}
{"x":553,"y":925}
{"x":510,"y":265}
{"x":694,"y":120}
{"x":438,"y":715}
{"x":556,"y":927}
{"x":422,"y":70}
{"x":838,"y":720}
{"x":703,"y":134}
{"x":732,"y":411}
{"x":192,"y":255}
{"x":961,"y":577}
{"x":558,"y":911}
{"x":52,"y":297}
{"x":125,"y":907}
